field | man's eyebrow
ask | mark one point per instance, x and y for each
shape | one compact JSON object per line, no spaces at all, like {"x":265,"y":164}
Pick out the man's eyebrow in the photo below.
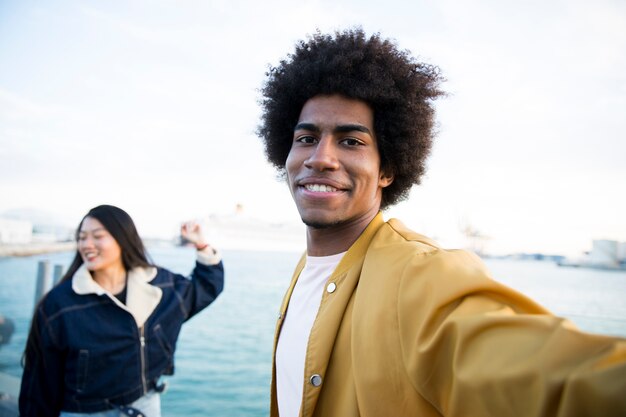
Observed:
{"x":351,"y":128}
{"x":307,"y":126}
{"x":339,"y":129}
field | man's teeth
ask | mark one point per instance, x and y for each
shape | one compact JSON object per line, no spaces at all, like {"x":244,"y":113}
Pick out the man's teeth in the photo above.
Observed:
{"x":320,"y":188}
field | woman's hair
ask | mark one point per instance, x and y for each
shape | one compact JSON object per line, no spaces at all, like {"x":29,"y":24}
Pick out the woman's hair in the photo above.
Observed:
{"x":120,"y":225}
{"x":399,"y":90}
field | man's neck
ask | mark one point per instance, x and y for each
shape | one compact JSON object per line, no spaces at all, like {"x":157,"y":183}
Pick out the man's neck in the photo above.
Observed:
{"x":335,"y":239}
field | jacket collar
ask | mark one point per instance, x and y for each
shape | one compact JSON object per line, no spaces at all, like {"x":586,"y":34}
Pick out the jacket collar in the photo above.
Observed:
{"x":141,"y":297}
{"x":346,"y":276}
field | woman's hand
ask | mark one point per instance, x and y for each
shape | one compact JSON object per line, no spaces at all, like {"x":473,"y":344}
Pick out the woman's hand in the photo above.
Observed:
{"x":192,"y":232}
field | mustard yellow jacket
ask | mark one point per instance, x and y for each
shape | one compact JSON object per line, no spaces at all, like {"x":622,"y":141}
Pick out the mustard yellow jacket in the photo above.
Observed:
{"x":410,"y":329}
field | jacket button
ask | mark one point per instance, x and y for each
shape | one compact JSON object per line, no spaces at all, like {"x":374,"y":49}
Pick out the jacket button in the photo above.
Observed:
{"x":331,"y":287}
{"x":316,"y":380}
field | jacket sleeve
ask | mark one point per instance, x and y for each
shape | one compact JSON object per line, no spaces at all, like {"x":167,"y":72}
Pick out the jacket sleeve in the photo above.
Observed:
{"x":207,"y":282}
{"x":474,"y":347}
{"x":41,"y":392}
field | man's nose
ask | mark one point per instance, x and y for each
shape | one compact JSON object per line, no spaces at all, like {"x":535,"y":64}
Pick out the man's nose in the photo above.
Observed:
{"x":323,"y":156}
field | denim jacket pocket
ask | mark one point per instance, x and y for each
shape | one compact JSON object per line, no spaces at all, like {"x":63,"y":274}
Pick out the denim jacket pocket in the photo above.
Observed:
{"x":162,"y":339}
{"x":81,"y":369}
{"x":166,"y":349}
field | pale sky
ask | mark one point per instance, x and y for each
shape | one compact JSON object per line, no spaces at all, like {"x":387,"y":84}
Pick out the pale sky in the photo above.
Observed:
{"x":152,"y":106}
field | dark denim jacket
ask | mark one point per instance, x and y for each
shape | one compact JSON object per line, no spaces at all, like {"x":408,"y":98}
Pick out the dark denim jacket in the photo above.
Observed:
{"x":97,"y":353}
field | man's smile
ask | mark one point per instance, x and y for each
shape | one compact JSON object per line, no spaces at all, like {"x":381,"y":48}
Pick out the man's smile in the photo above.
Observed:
{"x":320,"y":188}
{"x":320,"y":185}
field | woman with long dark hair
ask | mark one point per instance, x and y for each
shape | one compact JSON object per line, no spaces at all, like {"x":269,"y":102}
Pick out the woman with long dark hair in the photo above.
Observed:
{"x":101,"y":339}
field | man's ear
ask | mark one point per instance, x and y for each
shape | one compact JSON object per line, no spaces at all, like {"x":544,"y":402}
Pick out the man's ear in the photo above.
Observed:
{"x":384,"y":179}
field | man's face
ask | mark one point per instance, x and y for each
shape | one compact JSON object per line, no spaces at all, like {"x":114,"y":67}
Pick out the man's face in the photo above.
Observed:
{"x":333,"y":167}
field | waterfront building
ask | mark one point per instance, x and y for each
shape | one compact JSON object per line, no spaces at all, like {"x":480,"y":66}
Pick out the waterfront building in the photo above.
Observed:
{"x":15,"y":231}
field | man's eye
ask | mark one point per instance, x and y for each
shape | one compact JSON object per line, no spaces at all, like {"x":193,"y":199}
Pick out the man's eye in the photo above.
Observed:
{"x":352,"y":142}
{"x":306,"y":139}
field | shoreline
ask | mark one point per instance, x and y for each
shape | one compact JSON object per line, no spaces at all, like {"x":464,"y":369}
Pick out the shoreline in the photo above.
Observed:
{"x":34,"y":248}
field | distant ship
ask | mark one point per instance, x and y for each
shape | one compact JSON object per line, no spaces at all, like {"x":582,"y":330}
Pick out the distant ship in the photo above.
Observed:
{"x":240,"y":231}
{"x":605,"y":254}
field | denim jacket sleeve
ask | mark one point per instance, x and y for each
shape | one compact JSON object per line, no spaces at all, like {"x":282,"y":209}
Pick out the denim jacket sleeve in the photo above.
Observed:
{"x":41,"y":393}
{"x":207,"y":282}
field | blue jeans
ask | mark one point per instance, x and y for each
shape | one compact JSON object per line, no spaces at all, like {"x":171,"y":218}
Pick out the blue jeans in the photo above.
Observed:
{"x":149,"y":405}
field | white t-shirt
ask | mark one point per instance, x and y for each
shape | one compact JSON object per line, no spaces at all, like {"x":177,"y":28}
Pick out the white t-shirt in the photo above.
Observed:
{"x":294,"y":335}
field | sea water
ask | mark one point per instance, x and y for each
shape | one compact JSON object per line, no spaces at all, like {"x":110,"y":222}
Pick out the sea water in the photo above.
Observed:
{"x":223,"y":357}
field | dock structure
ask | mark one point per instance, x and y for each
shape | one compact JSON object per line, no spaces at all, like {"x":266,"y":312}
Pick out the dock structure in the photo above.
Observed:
{"x":9,"y":392}
{"x":9,"y":385}
{"x":47,"y":277}
{"x":29,"y":249}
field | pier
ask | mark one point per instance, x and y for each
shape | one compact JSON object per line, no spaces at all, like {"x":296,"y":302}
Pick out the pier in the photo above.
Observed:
{"x":47,"y":276}
{"x":9,"y":392}
{"x":35,"y":248}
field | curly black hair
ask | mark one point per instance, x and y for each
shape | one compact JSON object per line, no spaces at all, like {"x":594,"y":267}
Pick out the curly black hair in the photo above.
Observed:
{"x":399,"y":90}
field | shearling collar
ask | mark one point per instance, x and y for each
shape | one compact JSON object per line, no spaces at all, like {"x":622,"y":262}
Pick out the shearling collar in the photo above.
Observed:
{"x":141,"y":297}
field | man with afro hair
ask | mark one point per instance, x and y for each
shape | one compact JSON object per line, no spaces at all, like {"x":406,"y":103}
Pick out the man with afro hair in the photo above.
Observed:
{"x":379,"y":320}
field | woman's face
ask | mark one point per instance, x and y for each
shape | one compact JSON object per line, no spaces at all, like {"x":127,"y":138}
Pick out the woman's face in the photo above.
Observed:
{"x":99,"y":250}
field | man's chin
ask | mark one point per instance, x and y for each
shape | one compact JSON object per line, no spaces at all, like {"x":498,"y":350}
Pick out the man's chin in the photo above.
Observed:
{"x":319,"y":223}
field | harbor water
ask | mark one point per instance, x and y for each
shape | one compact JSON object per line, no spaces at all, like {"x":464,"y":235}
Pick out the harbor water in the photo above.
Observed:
{"x":223,"y":358}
